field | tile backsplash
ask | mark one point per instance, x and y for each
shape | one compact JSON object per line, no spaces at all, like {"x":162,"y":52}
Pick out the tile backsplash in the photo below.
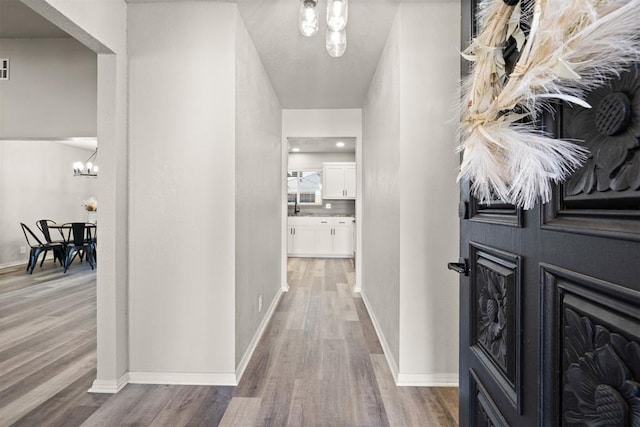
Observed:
{"x":338,"y":207}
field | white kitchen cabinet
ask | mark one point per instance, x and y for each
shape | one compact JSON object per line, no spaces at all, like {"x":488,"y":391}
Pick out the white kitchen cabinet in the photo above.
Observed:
{"x":343,"y":240}
{"x":304,"y":239}
{"x":323,"y":237}
{"x":339,"y":180}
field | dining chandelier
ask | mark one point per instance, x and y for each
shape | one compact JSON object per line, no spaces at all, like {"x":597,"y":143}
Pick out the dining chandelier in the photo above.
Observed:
{"x":337,"y":17}
{"x":88,"y":168}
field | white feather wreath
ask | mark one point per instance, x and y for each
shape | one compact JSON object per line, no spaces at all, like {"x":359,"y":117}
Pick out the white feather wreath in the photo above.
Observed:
{"x":572,"y":47}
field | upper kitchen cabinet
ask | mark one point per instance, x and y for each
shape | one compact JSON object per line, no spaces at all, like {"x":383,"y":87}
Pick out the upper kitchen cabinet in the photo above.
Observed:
{"x":339,"y":180}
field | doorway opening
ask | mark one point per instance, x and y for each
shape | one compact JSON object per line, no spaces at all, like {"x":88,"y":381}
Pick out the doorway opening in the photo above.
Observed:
{"x":321,"y":200}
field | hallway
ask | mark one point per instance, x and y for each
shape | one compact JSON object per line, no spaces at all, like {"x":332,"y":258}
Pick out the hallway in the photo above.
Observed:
{"x":319,"y":363}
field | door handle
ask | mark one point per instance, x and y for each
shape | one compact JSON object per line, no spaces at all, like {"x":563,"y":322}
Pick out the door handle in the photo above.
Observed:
{"x":460,"y":267}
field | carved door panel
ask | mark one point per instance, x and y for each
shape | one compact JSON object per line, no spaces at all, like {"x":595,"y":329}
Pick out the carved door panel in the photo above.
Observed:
{"x":550,"y":308}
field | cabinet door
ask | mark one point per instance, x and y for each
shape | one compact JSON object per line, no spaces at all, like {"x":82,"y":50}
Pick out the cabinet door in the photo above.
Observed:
{"x":304,"y":240}
{"x":343,"y":240}
{"x":350,"y":182}
{"x":333,"y":179}
{"x":324,"y":240}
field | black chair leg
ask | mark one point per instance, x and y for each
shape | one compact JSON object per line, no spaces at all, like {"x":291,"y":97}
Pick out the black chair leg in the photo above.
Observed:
{"x":30,"y":260}
{"x":59,"y":255}
{"x":68,"y":258}
{"x":33,"y":259}
{"x":44,"y":257}
{"x":89,"y":251}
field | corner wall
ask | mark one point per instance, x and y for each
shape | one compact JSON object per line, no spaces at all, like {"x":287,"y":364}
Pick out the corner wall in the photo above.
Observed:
{"x":410,"y":184}
{"x":258,"y":168}
{"x":182,"y":242}
{"x":381,"y":197}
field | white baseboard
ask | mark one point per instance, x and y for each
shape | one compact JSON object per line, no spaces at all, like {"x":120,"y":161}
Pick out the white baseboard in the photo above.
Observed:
{"x":182,"y":378}
{"x":14,"y":263}
{"x":109,"y":386}
{"x":256,"y":337}
{"x":427,"y":380}
{"x":393,"y":365}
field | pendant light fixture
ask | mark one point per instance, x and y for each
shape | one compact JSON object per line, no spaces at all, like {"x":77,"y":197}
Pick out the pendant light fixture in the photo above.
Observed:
{"x":337,"y":18}
{"x":308,"y":21}
{"x":88,"y":168}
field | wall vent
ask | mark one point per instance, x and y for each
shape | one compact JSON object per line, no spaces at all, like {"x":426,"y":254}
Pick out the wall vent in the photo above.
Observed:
{"x":4,"y":68}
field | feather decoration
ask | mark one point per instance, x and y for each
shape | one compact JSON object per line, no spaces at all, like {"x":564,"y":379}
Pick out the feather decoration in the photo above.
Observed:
{"x":572,"y":47}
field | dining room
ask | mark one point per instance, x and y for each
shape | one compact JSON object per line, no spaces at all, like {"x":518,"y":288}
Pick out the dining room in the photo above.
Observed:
{"x":48,"y":123}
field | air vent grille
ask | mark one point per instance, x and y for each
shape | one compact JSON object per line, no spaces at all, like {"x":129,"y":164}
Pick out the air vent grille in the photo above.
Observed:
{"x":4,"y":68}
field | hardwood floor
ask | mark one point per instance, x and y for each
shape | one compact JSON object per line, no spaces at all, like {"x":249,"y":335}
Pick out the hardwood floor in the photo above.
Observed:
{"x":318,"y":363}
{"x":47,"y":345}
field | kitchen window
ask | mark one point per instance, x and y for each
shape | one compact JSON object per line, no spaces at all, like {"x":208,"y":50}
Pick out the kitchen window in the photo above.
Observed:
{"x":305,"y":187}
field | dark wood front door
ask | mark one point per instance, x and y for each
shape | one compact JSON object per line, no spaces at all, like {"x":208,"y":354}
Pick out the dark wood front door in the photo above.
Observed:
{"x":550,"y":308}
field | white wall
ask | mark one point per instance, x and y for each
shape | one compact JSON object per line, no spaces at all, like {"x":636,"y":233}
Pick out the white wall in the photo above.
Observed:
{"x":37,"y":182}
{"x":257,"y":203}
{"x":182,"y":248}
{"x":321,"y":123}
{"x":52,"y":91}
{"x":429,"y":192}
{"x":381,"y":197}
{"x":423,"y":79}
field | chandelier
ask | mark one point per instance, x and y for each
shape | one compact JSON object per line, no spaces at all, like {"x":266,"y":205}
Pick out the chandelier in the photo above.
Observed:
{"x":88,"y":168}
{"x":337,"y":17}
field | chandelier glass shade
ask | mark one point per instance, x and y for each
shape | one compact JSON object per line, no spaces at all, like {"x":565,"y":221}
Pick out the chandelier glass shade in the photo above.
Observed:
{"x":336,"y":42}
{"x":337,"y":14}
{"x":308,"y":21}
{"x":88,"y":168}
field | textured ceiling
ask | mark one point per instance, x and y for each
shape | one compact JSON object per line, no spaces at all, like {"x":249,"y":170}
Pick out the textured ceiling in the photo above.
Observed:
{"x":18,"y":21}
{"x":301,"y":72}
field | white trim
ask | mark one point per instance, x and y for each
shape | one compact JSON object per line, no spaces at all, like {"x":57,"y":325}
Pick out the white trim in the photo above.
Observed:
{"x":285,"y":287}
{"x":109,"y":386}
{"x":393,"y":366}
{"x":256,"y":338}
{"x":14,"y":263}
{"x":427,"y":380}
{"x":182,"y":378}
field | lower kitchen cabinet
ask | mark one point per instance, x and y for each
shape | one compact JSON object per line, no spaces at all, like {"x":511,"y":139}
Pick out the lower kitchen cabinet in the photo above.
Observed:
{"x":343,"y":240}
{"x":330,"y":237}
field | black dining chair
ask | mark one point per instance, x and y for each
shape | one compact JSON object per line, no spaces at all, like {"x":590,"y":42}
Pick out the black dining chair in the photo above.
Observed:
{"x":78,"y":242}
{"x":38,"y":247}
{"x":43,"y":225}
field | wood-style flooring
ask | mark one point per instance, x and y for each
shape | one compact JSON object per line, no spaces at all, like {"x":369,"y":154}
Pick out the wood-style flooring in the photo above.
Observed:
{"x":319,"y":362}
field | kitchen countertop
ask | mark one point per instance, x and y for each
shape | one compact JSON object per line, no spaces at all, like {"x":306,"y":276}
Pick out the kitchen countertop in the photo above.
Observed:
{"x":321,"y":215}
